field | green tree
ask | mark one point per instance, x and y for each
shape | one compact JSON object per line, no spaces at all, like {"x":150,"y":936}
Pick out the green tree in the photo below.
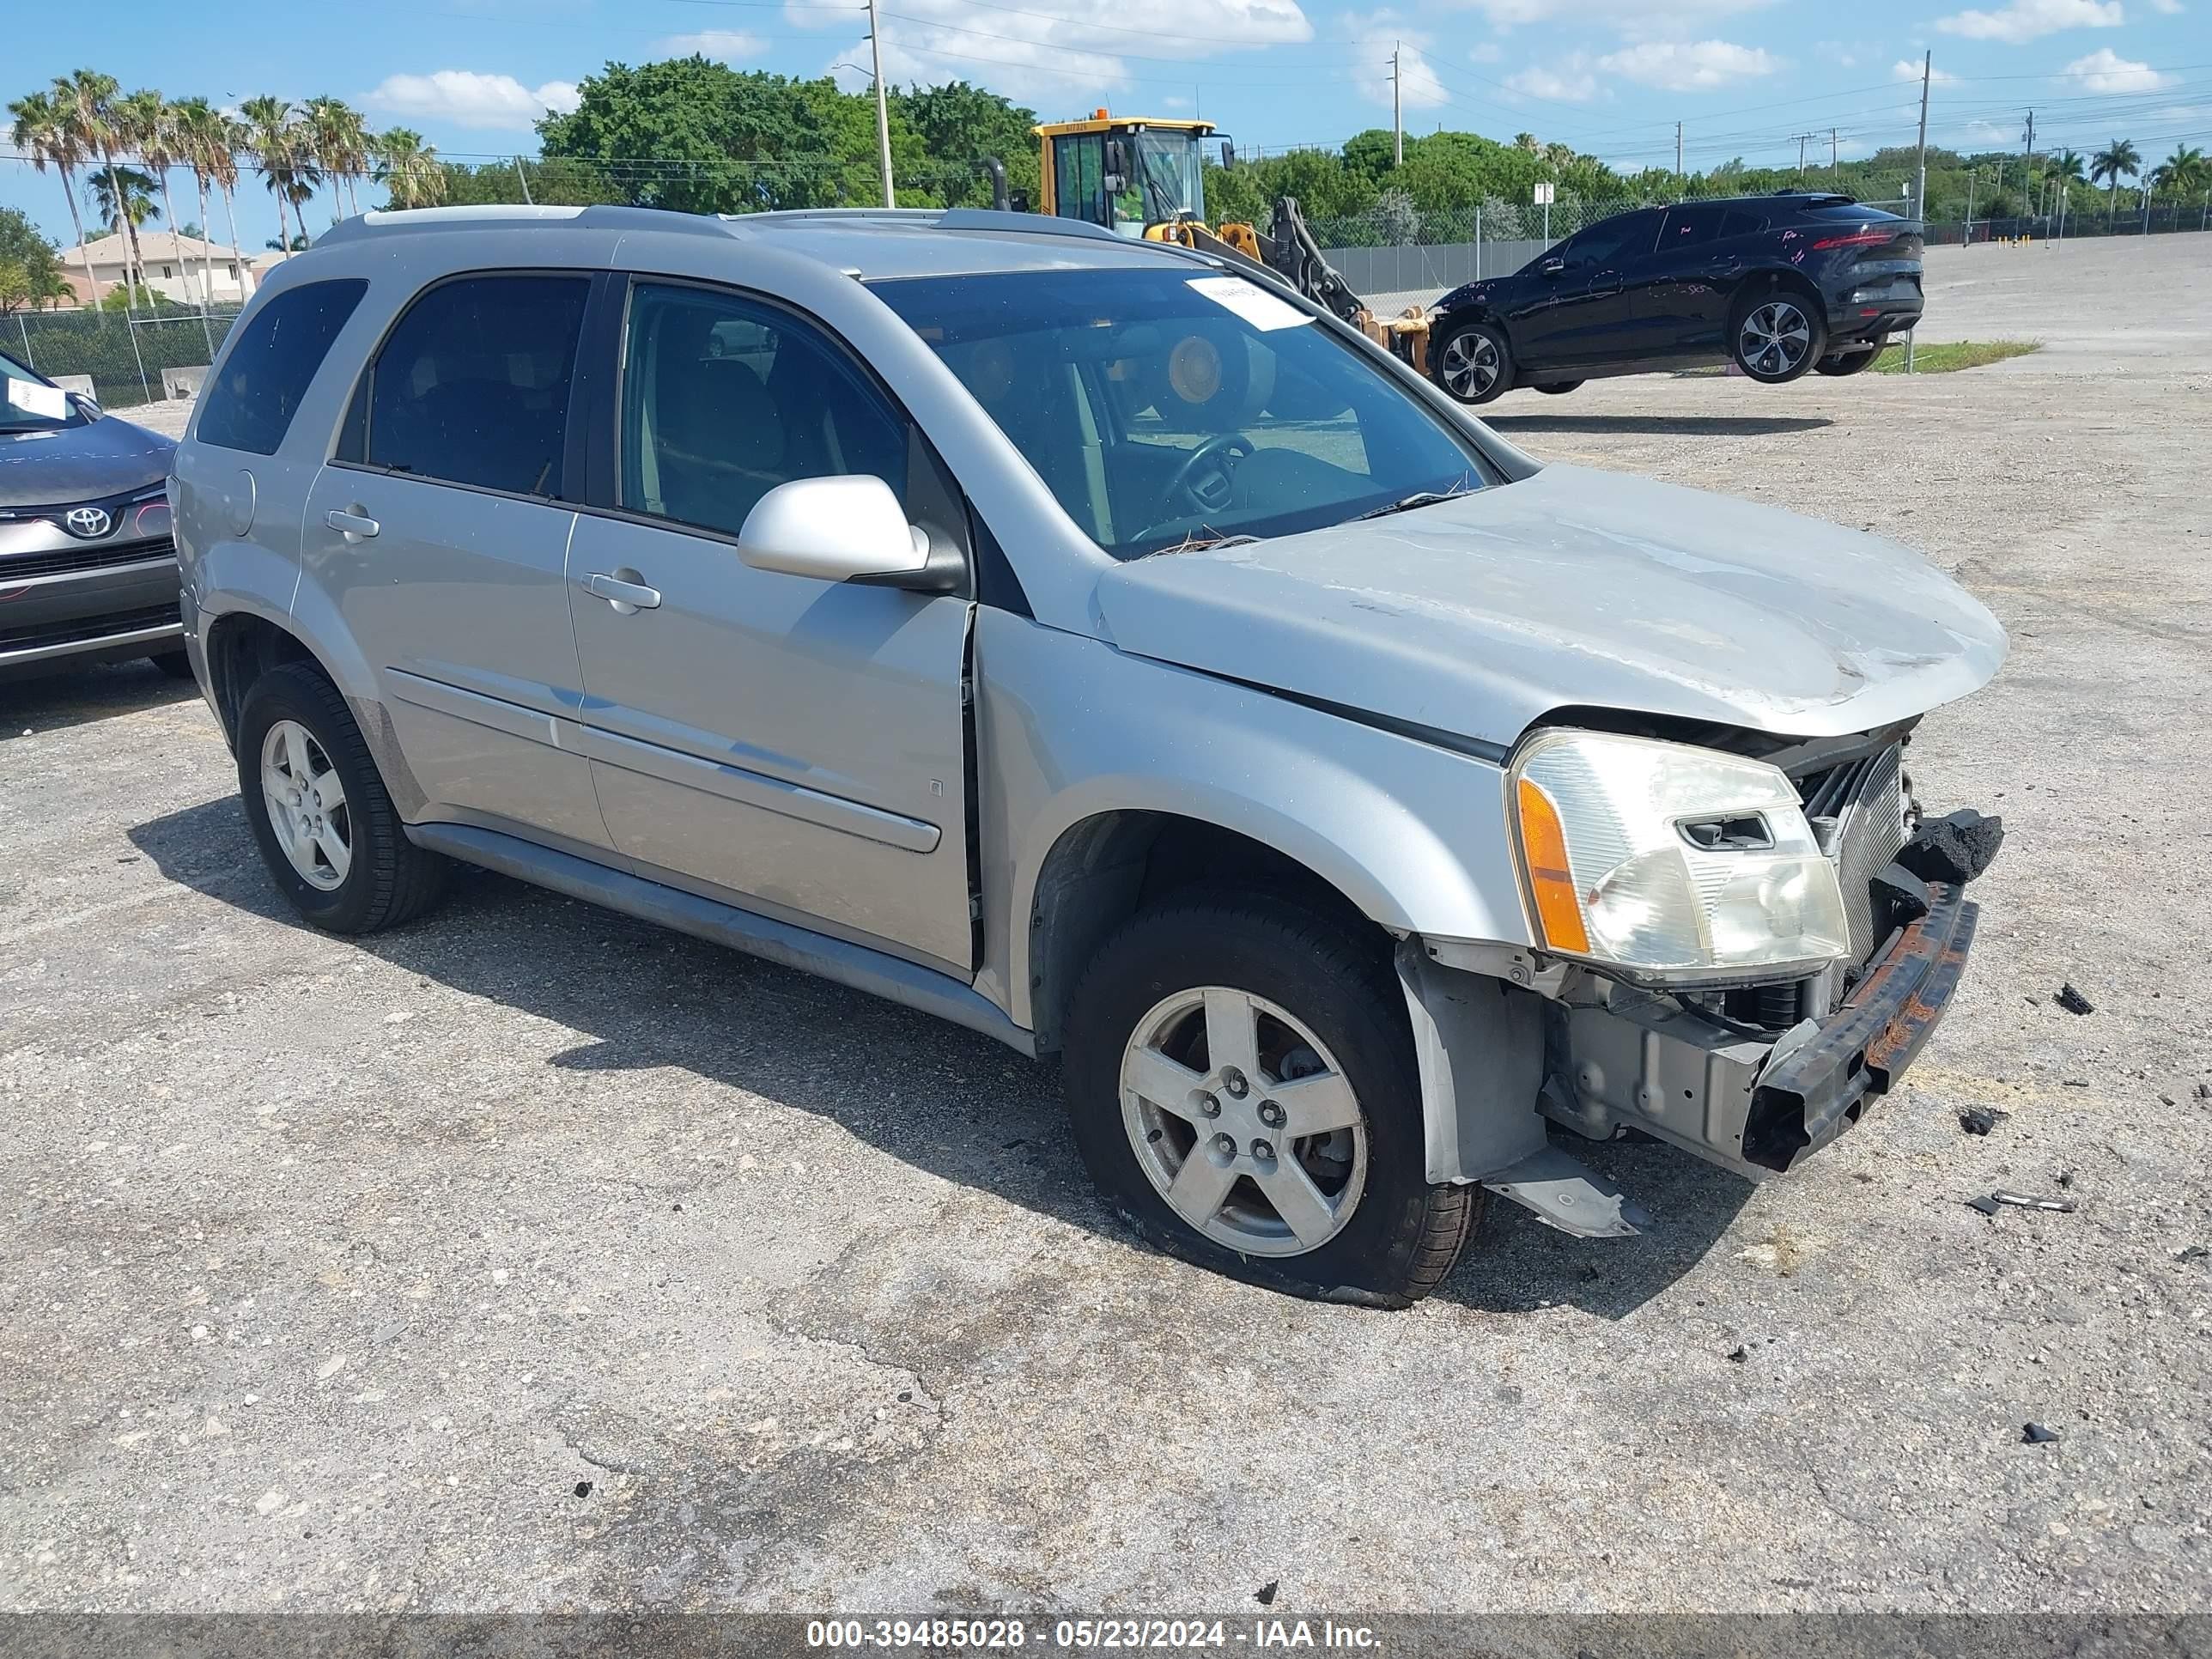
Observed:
{"x":2117,"y":160}
{"x":124,"y":196}
{"x":42,"y":132}
{"x":148,"y":123}
{"x":197,"y":130}
{"x":30,"y":272}
{"x":699,"y":136}
{"x":955,"y":127}
{"x":337,"y":138}
{"x":408,"y":169}
{"x":86,"y":98}
{"x":281,"y":152}
{"x":2184,"y":172}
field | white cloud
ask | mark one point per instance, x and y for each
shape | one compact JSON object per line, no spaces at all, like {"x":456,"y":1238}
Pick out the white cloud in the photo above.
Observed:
{"x":1053,"y":54}
{"x":2166,"y":8}
{"x":1637,"y":19}
{"x":1904,"y":69}
{"x":1377,"y":34}
{"x":1685,"y":66}
{"x":1487,"y":52}
{"x":730,"y":45}
{"x":2105,"y":70}
{"x":1568,"y":81}
{"x":465,"y":98}
{"x":2031,"y":19}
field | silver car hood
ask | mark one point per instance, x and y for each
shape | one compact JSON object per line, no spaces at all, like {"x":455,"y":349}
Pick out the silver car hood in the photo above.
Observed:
{"x":1477,"y":617}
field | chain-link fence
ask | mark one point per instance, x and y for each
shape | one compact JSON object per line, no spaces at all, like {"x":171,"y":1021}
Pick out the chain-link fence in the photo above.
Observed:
{"x":129,"y":360}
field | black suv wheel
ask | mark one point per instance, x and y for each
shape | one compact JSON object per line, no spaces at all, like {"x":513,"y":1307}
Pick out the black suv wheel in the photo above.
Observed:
{"x":1850,"y":363}
{"x":1774,"y":335}
{"x":1472,"y":362}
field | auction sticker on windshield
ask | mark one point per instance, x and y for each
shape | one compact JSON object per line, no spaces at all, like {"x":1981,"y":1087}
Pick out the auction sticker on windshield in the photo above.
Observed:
{"x":1250,"y":301}
{"x":49,"y":401}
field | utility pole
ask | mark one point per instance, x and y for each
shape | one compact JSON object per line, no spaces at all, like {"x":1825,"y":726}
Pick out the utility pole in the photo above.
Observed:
{"x":524,"y":177}
{"x":1397,"y":109}
{"x":1681,"y":178}
{"x":2027,"y":160}
{"x":1831,"y":150}
{"x":883,"y":108}
{"x":1920,"y":190}
{"x":1802,"y":138}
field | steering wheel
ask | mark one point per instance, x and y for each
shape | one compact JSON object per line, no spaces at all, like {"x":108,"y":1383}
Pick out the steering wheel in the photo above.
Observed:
{"x":1206,"y":474}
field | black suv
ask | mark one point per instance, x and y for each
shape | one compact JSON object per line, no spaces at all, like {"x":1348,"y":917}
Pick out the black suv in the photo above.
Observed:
{"x":1776,"y":284}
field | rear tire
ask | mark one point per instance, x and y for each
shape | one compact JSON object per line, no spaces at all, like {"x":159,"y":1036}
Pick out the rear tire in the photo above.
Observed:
{"x":1314,"y":1014}
{"x":340,"y":855}
{"x":1850,"y":363}
{"x":175,"y":664}
{"x":1560,"y":388}
{"x":1774,"y":335}
{"x":1474,"y":364}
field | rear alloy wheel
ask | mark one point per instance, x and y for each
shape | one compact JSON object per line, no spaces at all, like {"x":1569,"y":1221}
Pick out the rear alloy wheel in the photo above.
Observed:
{"x":1775,"y":337}
{"x":1241,"y":1081}
{"x":1850,"y":363}
{"x":1559,"y":388}
{"x":319,"y":811}
{"x":1473,"y":363}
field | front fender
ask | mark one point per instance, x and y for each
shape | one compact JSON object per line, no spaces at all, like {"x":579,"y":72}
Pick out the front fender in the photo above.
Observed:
{"x":1068,"y":727}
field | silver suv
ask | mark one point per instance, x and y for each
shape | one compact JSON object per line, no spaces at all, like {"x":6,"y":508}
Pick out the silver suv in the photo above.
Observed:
{"x":1091,"y":643}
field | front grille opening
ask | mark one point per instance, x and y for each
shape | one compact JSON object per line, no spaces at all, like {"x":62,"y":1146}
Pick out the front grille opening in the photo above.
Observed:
{"x":66,"y":561}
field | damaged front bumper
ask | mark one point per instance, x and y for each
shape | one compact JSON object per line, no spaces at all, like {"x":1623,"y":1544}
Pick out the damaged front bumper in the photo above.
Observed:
{"x":1757,"y":1105}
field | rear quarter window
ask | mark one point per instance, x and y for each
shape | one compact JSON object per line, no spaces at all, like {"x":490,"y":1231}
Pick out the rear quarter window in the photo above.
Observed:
{"x":271,"y":365}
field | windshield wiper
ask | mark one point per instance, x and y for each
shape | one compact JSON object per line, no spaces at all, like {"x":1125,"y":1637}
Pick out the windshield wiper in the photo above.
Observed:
{"x":1406,"y":503}
{"x":1200,"y":544}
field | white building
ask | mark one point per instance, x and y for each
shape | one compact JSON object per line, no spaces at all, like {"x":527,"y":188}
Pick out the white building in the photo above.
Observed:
{"x":173,"y":266}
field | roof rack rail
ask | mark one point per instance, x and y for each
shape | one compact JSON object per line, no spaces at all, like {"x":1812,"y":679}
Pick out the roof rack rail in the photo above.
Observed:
{"x":604,"y":215}
{"x":976,"y":219}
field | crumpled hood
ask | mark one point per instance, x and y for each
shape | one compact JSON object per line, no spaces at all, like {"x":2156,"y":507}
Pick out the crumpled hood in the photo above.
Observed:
{"x":80,"y":463}
{"x":1477,"y":617}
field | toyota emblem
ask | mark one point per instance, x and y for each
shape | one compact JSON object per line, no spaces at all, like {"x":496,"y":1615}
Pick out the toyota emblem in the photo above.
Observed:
{"x":86,"y":522}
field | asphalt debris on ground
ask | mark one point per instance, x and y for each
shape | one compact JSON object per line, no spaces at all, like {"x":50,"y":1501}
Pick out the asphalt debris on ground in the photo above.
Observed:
{"x":2073,"y":1001}
{"x":2034,"y":1434}
{"x":1990,"y":1203}
{"x":1980,"y":1119}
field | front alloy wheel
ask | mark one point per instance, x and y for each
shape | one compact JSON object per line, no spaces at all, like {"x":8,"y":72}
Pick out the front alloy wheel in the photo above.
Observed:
{"x":1244,"y":1121}
{"x":1242,"y":1086}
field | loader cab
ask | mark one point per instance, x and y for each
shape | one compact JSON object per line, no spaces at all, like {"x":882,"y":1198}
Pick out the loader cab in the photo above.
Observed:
{"x":1124,"y":175}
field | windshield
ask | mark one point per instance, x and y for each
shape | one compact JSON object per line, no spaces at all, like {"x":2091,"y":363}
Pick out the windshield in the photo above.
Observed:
{"x":1167,"y":408}
{"x":1167,"y":185}
{"x":28,"y":404}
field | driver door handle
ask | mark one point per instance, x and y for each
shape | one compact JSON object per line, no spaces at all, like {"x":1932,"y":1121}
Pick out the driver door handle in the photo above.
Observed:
{"x":625,"y":596}
{"x":354,"y":527}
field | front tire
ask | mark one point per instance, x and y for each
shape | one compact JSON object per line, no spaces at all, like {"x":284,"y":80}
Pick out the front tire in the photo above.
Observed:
{"x":325,"y":825}
{"x":1560,"y":388}
{"x":1775,"y":335}
{"x":1205,"y":1037}
{"x":1473,"y":362}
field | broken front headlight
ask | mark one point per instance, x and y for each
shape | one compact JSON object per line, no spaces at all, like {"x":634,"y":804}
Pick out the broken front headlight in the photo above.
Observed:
{"x":1671,"y":861}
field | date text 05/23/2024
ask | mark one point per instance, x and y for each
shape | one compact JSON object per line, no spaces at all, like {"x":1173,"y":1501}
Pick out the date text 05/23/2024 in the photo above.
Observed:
{"x":1088,"y":1634}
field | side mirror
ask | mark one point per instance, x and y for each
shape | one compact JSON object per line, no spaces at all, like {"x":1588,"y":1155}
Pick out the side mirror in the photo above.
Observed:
{"x":1228,"y":155}
{"x":850,"y":528}
{"x":1118,"y":157}
{"x":1553,"y":267}
{"x":90,"y":406}
{"x":1018,"y":202}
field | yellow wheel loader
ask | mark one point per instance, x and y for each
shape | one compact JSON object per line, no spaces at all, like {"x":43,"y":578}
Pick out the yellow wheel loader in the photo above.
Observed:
{"x":1145,"y":178}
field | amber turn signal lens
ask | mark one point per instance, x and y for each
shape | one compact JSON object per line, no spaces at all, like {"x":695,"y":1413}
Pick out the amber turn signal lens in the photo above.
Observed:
{"x":1544,"y":850}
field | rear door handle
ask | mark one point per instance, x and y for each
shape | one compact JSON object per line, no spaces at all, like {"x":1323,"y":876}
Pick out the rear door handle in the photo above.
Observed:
{"x":354,"y":526}
{"x":627,"y":598}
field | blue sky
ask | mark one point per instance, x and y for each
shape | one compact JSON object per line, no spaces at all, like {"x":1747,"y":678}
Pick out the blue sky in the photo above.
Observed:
{"x":1610,"y":76}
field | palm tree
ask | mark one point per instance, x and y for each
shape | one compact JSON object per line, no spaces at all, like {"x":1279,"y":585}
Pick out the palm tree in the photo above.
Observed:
{"x":87,"y":102}
{"x":146,"y":118}
{"x":408,"y":169}
{"x":281,"y":152}
{"x":44,"y":135}
{"x":2182,"y":173}
{"x":2117,"y":161}
{"x":338,"y":139}
{"x":123,"y":198}
{"x":197,"y":130}
{"x":225,"y":142}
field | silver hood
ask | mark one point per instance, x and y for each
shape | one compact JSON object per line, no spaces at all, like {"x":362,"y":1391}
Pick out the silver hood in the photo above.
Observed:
{"x":1478,"y":616}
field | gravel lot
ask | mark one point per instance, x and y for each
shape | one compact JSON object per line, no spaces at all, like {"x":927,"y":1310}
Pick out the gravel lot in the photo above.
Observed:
{"x":530,"y":1258}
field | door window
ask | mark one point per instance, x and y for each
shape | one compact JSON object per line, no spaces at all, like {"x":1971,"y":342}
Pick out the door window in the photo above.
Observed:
{"x":1606,"y":245}
{"x":250,"y":402}
{"x":472,"y":386}
{"x":724,"y":399}
{"x":1690,"y":227}
{"x":1078,"y":177}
